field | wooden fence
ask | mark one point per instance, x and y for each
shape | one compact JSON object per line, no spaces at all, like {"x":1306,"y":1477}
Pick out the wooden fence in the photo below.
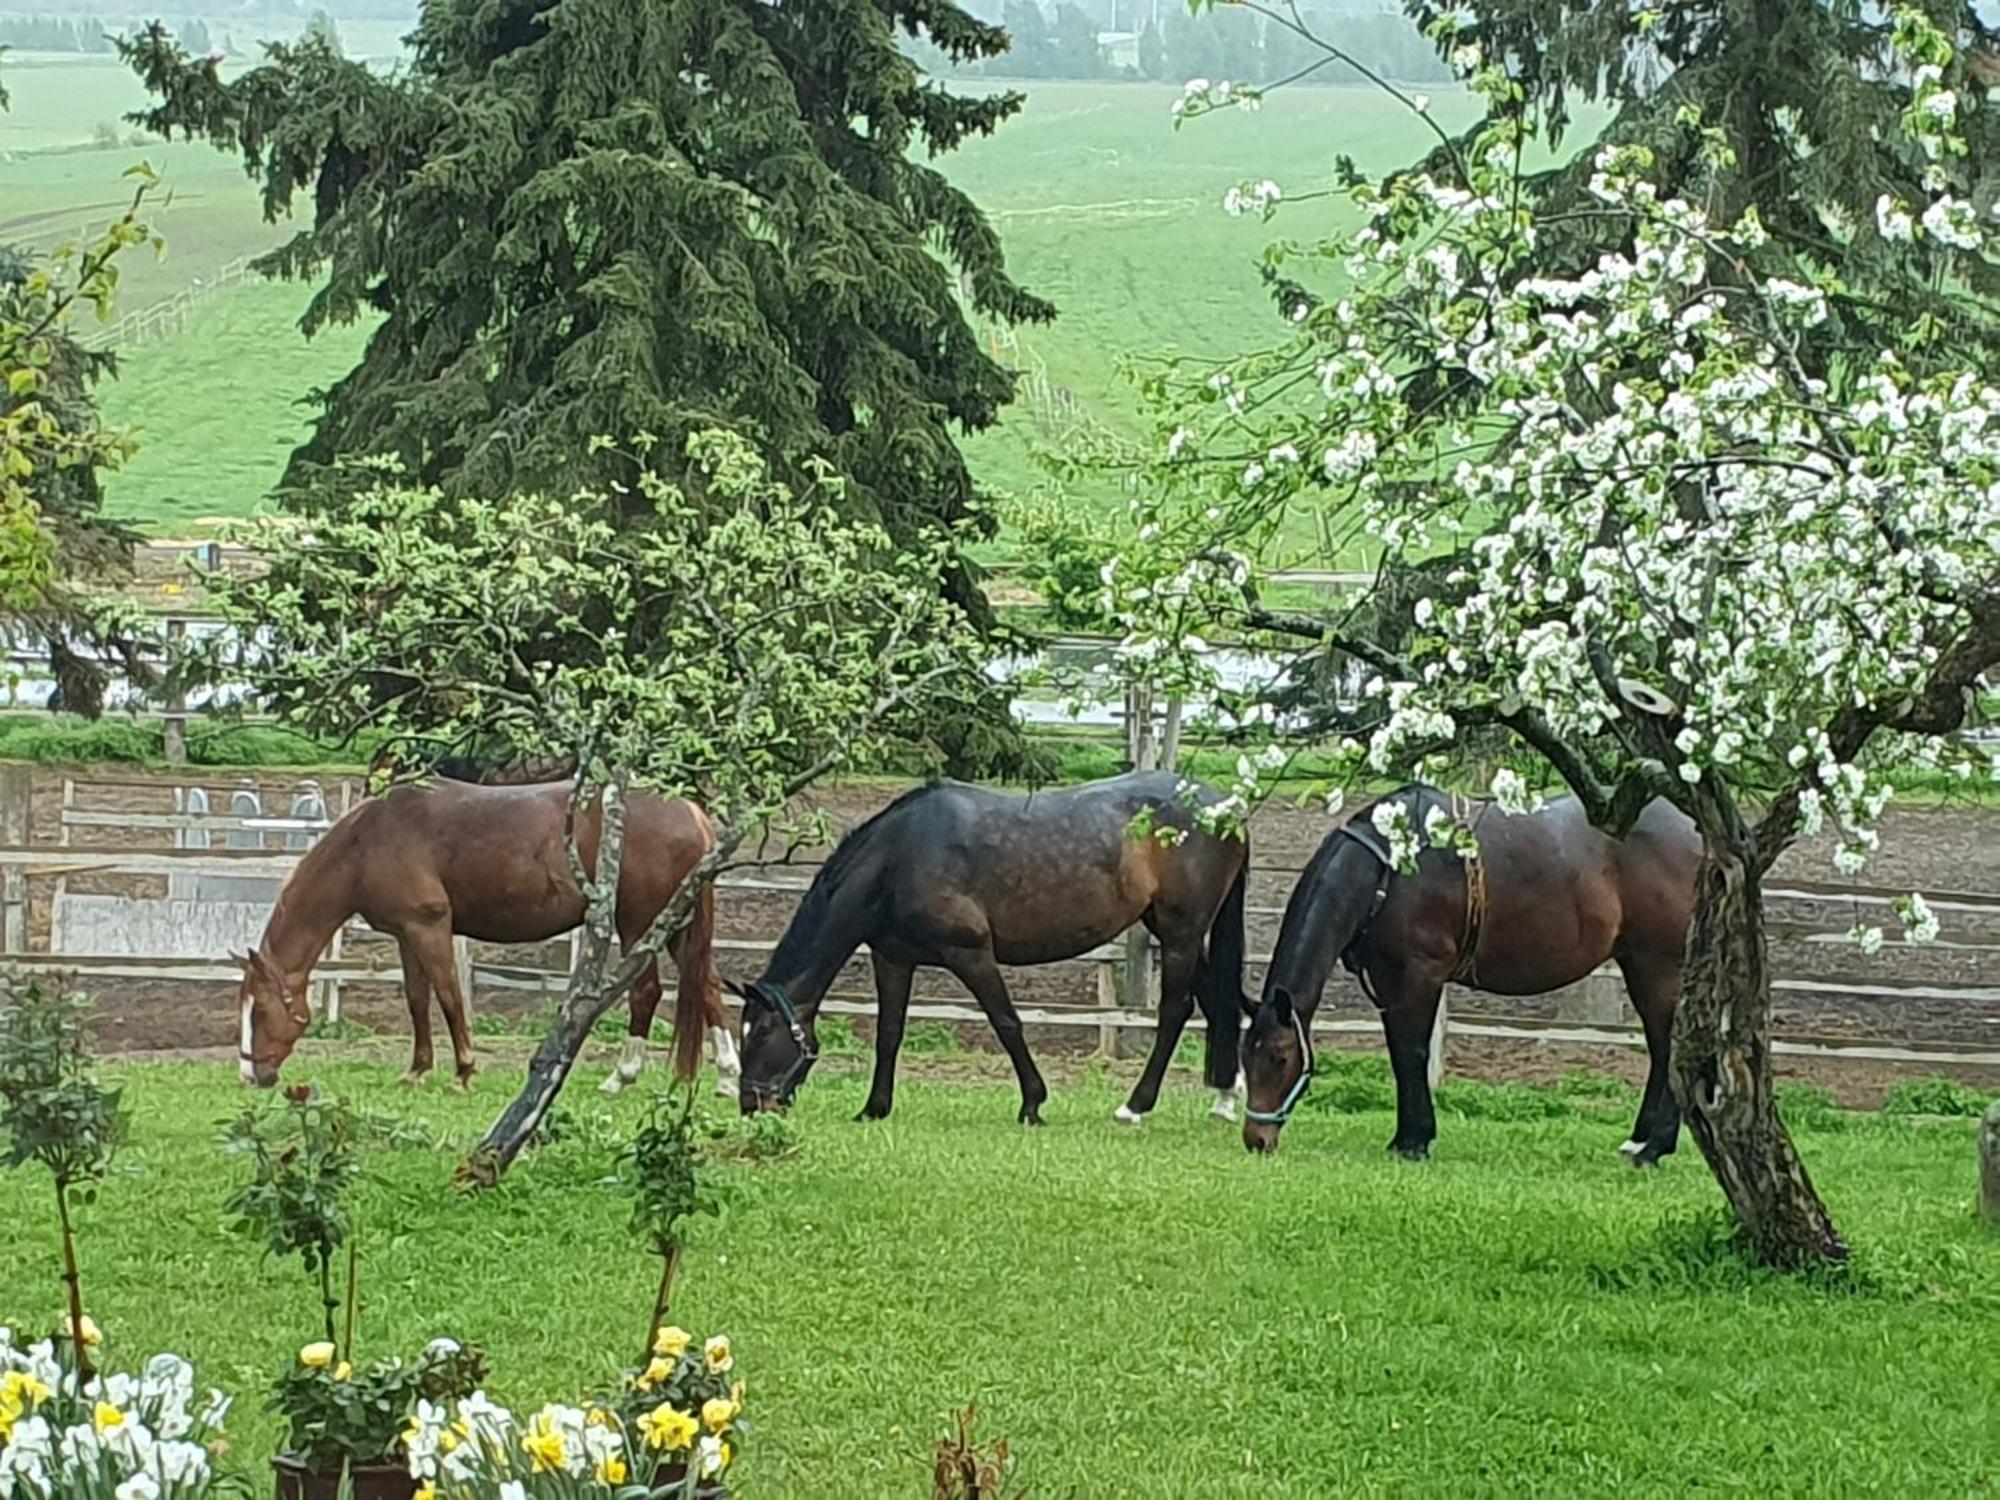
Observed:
{"x":1592,"y":1015}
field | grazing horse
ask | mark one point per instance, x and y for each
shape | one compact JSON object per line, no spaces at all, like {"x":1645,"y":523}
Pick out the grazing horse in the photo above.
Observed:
{"x":1547,"y":899}
{"x":430,"y":861}
{"x":966,"y":879}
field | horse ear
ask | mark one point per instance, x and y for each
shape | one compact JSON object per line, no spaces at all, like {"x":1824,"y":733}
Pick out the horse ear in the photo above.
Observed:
{"x":1248,"y":1005}
{"x":740,"y":991}
{"x":1280,"y":1003}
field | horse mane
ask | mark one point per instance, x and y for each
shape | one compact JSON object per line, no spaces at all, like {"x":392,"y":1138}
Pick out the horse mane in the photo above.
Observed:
{"x":819,"y":895}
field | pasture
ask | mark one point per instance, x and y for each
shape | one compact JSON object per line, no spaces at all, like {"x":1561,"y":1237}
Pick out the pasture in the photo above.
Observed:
{"x":1103,"y":206}
{"x":1142,"y":1312}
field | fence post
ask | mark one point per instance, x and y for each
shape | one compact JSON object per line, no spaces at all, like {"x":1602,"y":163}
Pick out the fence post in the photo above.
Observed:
{"x":461,"y":957}
{"x":175,"y":733}
{"x":1107,"y":1001}
{"x":17,"y":791}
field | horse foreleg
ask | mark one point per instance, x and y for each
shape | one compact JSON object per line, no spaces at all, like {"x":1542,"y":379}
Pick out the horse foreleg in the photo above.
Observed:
{"x":978,"y":972}
{"x":1177,"y":973}
{"x":1652,"y":986}
{"x":892,"y":1009}
{"x":1407,"y":1023}
{"x":417,"y":991}
{"x":433,"y":946}
{"x":645,"y":1003}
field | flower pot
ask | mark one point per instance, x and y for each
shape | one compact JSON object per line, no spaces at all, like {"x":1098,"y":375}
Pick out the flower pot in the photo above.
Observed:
{"x":377,"y":1481}
{"x":671,"y":1477}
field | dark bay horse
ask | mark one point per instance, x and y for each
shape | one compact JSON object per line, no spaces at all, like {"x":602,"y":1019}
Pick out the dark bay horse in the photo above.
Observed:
{"x":430,"y":861}
{"x":962,"y":878}
{"x":1548,"y":900}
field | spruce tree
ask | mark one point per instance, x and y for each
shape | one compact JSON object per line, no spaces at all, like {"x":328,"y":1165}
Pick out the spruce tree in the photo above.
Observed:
{"x":607,"y":218}
{"x":1790,"y":107}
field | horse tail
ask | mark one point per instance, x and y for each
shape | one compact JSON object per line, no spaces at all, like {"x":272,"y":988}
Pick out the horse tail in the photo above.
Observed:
{"x":1221,"y":990}
{"x":698,"y":988}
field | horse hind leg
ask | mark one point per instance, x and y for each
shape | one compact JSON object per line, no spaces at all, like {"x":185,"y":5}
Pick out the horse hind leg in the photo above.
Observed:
{"x":645,"y":1002}
{"x":434,"y":950}
{"x":1178,"y":973}
{"x":1653,"y":986}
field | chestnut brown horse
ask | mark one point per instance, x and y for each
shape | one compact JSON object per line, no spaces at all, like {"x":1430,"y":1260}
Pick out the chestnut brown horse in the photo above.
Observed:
{"x":966,"y":879}
{"x":1548,"y":899}
{"x":431,"y":861}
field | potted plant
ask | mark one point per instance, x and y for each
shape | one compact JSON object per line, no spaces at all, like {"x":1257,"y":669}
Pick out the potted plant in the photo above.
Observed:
{"x":671,"y":1433}
{"x":683,"y":1414}
{"x":345,"y":1428}
{"x":344,"y":1424}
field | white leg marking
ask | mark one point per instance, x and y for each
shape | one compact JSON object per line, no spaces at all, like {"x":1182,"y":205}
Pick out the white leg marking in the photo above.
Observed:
{"x":1633,"y":1147}
{"x":1124,"y":1115}
{"x":631,"y":1062}
{"x":1224,"y":1107}
{"x":246,"y":1042}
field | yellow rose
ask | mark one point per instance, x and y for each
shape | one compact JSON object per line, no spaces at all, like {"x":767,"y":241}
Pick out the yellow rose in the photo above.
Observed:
{"x":317,"y":1356}
{"x":671,"y":1342}
{"x":717,"y":1413}
{"x":104,"y":1417}
{"x":717,"y":1350}
{"x":342,"y":1370}
{"x":667,"y":1429}
{"x":92,"y":1336}
{"x":657,"y":1372}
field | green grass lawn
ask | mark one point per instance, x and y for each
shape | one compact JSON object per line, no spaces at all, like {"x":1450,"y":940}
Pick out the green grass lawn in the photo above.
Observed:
{"x":1141,"y":1312}
{"x":219,"y":408}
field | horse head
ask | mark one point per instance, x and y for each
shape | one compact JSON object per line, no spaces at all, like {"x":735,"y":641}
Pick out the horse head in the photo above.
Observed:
{"x":780,"y":1046}
{"x":1277,"y":1067}
{"x":274,"y":1017}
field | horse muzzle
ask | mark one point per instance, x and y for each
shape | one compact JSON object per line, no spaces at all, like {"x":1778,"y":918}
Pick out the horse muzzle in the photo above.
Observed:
{"x":1260,"y":1137}
{"x":757,"y":1100}
{"x":256,"y":1075}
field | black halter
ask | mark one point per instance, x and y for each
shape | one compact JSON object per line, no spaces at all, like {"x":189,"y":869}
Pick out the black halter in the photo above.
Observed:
{"x":788,"y":1081}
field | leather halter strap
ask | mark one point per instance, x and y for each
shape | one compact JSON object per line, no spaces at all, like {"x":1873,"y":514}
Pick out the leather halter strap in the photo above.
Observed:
{"x":781,"y":1088}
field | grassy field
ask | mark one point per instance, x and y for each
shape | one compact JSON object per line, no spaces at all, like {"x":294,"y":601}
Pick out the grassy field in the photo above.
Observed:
{"x":1140,"y":1312}
{"x":1103,"y":206}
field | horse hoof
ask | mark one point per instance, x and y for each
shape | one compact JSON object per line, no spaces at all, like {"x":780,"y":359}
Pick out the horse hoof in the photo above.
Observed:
{"x":870,"y":1113}
{"x":616,"y":1083}
{"x":415,"y":1078}
{"x":1032,"y":1118}
{"x":1411,"y":1152}
{"x":1224,"y":1108}
{"x":463,"y":1083}
{"x":1632,"y":1147}
{"x":1126,"y":1115}
{"x":724,"y":1089}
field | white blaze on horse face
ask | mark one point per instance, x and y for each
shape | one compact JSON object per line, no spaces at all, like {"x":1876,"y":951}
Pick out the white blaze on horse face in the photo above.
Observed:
{"x":247,"y":1043}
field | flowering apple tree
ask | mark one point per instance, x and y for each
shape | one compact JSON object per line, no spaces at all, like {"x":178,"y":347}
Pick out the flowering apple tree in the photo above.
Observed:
{"x":1668,"y":560}
{"x":733,"y":645}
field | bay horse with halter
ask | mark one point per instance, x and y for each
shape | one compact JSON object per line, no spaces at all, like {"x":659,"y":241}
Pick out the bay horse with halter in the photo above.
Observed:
{"x":1546,"y":900}
{"x":966,"y":879}
{"x":431,"y":861}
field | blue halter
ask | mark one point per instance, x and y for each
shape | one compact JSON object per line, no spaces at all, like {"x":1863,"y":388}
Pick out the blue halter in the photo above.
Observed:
{"x":1297,"y":1092}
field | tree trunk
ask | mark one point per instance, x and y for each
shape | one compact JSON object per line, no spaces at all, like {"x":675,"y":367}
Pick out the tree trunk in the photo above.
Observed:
{"x":1143,"y":751}
{"x":1722,"y":1071}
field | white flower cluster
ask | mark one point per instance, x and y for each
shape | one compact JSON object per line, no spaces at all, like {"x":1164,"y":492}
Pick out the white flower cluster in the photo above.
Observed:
{"x":1391,"y":819}
{"x":1200,"y":96}
{"x":1920,"y":923}
{"x":1672,"y":523}
{"x":115,"y":1436}
{"x":1261,"y":198}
